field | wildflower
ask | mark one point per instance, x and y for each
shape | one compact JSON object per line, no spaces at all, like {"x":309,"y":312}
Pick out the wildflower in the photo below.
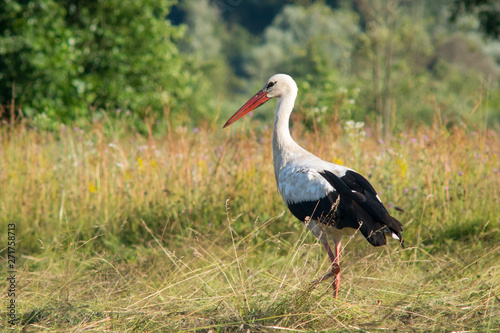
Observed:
{"x":196,"y":130}
{"x":349,"y":125}
{"x":355,"y":129}
{"x":403,"y":167}
{"x":338,"y":161}
{"x":406,"y":190}
{"x":460,"y":173}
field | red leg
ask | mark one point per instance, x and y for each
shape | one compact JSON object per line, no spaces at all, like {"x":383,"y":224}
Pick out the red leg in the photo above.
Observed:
{"x":335,"y":259}
{"x":336,"y":269}
{"x":329,"y":251}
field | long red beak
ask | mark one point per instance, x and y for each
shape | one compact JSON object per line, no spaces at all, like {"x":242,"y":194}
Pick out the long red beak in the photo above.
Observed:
{"x":257,"y":100}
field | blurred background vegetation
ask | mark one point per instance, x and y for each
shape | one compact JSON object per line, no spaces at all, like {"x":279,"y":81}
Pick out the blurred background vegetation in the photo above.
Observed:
{"x":392,"y":62}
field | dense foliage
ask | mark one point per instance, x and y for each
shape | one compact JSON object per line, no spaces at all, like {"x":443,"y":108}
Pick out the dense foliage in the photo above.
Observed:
{"x":60,"y":58}
{"x":67,"y":60}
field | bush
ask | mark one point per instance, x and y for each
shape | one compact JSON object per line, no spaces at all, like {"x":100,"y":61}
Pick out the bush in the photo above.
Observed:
{"x":62,"y":57}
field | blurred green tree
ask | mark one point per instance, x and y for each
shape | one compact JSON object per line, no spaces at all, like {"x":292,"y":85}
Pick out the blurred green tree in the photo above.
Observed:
{"x":394,"y":47}
{"x":487,"y":11}
{"x":60,"y":57}
{"x":314,"y":44}
{"x":304,"y":41}
{"x":204,"y":45}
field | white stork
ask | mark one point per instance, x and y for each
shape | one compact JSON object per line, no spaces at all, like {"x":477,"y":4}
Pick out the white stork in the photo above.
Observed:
{"x":332,"y":200}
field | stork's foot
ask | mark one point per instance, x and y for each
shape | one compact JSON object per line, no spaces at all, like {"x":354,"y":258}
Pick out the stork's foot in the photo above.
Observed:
{"x":335,"y":273}
{"x":324,"y":278}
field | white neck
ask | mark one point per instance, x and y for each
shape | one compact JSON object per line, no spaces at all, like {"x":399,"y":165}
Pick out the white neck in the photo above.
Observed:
{"x":284,"y":147}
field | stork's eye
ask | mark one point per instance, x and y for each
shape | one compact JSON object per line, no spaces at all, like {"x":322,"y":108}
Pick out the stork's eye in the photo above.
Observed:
{"x":270,"y":84}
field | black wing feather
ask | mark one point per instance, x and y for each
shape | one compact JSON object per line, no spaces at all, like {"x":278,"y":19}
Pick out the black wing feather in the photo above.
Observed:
{"x":360,"y":207}
{"x":322,"y":210}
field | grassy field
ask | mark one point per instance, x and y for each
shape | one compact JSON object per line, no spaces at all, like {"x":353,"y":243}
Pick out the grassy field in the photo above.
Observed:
{"x":185,"y":231}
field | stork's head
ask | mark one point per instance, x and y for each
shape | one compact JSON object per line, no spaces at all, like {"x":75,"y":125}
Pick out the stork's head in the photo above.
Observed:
{"x":279,"y":85}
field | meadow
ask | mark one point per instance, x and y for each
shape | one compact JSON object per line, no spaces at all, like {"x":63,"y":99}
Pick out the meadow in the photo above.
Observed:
{"x":183,"y":230}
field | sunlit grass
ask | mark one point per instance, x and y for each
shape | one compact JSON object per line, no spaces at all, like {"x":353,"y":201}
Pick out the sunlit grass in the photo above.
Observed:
{"x":186,"y":231}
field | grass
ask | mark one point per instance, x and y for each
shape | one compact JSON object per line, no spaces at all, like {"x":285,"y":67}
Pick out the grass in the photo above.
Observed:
{"x":185,"y":231}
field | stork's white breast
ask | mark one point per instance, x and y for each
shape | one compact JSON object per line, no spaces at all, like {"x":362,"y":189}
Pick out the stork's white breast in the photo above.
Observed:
{"x":299,"y":178}
{"x":298,"y":183}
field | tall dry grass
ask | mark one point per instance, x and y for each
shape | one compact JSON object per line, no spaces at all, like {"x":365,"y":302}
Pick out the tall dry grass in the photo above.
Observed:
{"x":185,"y":230}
